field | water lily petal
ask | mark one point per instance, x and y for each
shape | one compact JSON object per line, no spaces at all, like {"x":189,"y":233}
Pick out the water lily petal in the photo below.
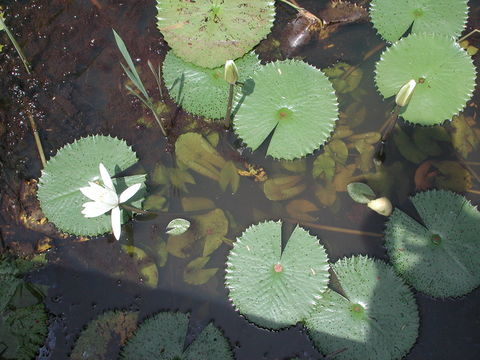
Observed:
{"x":116,"y":226}
{"x":107,"y":180}
{"x":94,"y":209}
{"x":129,"y":192}
{"x":93,"y":192}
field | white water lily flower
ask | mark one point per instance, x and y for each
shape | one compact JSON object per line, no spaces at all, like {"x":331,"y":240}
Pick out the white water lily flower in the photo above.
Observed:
{"x":105,"y":198}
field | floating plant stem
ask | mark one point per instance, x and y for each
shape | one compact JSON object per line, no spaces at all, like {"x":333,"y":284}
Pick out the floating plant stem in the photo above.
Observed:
{"x":157,"y":76}
{"x":468,"y":35}
{"x":231,"y":76}
{"x":132,"y":74}
{"x":38,"y":143}
{"x":20,"y":53}
{"x":335,"y":229}
{"x":292,"y":4}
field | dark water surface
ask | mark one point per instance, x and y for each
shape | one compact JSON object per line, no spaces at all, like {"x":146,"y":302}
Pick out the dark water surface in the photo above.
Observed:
{"x":77,"y":89}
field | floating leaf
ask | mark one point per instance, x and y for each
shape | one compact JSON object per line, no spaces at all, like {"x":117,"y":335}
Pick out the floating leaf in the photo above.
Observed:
{"x":341,"y":85}
{"x":392,"y":18}
{"x":293,"y":100}
{"x":23,"y":331}
{"x":444,"y":73}
{"x":162,"y":337}
{"x":209,"y":33}
{"x":109,"y":331}
{"x":72,"y":168}
{"x":360,"y":192}
{"x":229,"y":176}
{"x":377,"y":320}
{"x":202,"y":91}
{"x":195,"y":274}
{"x":441,"y":257}
{"x":196,"y":153}
{"x":283,"y":187}
{"x":271,"y":288}
{"x":177,"y":226}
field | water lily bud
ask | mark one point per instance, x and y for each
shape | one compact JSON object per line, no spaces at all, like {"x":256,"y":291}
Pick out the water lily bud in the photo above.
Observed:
{"x":231,"y":72}
{"x":405,"y":93}
{"x":382,"y":205}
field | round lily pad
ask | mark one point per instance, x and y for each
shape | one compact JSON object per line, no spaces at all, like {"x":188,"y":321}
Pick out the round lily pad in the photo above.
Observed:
{"x":293,"y":100}
{"x":202,"y":91}
{"x":73,"y":167}
{"x":207,"y":33}
{"x":440,"y":257}
{"x":444,"y":73}
{"x":376,"y":319}
{"x":274,"y":289}
{"x":392,"y":18}
{"x":162,"y":337}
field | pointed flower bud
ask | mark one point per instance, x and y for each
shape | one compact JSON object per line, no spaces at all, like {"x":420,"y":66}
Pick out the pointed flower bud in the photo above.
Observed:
{"x":405,"y":93}
{"x":382,"y":205}
{"x":231,"y":72}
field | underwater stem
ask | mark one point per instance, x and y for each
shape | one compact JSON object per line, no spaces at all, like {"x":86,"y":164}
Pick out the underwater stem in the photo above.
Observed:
{"x":229,"y":105}
{"x":468,"y":35}
{"x":337,"y":229}
{"x":296,"y":7}
{"x":38,"y":143}
{"x":17,"y":46}
{"x":476,"y":192}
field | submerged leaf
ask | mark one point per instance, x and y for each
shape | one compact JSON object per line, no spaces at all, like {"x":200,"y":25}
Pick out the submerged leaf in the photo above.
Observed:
{"x":209,"y":33}
{"x":293,"y":100}
{"x":444,"y":73}
{"x":439,"y":256}
{"x":196,"y":274}
{"x":109,"y":331}
{"x":376,"y":319}
{"x":341,"y":85}
{"x":197,"y":203}
{"x":271,"y":288}
{"x":212,"y":227}
{"x":283,"y":187}
{"x":465,"y":138}
{"x":181,"y":245}
{"x":229,"y":176}
{"x":299,"y":209}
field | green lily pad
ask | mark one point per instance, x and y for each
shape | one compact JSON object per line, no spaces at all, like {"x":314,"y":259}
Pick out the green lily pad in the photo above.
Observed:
{"x":73,"y":167}
{"x":444,"y":73}
{"x":109,"y":331}
{"x":377,"y":319}
{"x":293,"y":100}
{"x":360,"y":192}
{"x":162,"y":337}
{"x":202,"y":91}
{"x":440,"y":257}
{"x":274,"y":289}
{"x":207,"y":33}
{"x":392,"y":18}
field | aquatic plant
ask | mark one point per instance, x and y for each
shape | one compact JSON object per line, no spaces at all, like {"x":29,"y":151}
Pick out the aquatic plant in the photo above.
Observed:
{"x":274,"y":287}
{"x":208,"y":33}
{"x":392,"y":18}
{"x":162,"y":337}
{"x":17,"y":47}
{"x":437,"y":255}
{"x":374,"y":318}
{"x":132,"y":74}
{"x":444,"y":73}
{"x":293,"y":100}
{"x":203,"y":91}
{"x":110,"y":329}
{"x":74,"y":167}
{"x":177,"y":226}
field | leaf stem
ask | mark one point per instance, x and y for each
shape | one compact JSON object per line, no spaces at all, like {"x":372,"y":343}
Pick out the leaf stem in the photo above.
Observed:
{"x":296,"y":7}
{"x":337,"y":229}
{"x":468,"y":35}
{"x":229,"y":105}
{"x":38,"y":143}
{"x":25,"y":62}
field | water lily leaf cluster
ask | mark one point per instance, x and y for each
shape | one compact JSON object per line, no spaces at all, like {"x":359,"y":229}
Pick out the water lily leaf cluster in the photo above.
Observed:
{"x":444,"y":73}
{"x":294,"y":101}
{"x":207,"y":33}
{"x":393,"y":18}
{"x":439,"y":254}
{"x":375,"y":317}
{"x":163,"y":337}
{"x":72,"y":168}
{"x":202,"y":91}
{"x":271,"y":287}
{"x":107,"y":332}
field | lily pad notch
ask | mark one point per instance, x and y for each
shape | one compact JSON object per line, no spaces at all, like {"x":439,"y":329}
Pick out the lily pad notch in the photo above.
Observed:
{"x":274,"y":289}
{"x":291,"y":99}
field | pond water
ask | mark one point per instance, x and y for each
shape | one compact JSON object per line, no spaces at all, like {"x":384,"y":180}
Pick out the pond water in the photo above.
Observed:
{"x":77,"y":89}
